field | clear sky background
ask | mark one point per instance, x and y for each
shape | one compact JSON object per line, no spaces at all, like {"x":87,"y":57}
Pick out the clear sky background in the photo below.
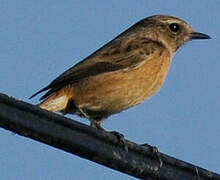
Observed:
{"x":41,"y":39}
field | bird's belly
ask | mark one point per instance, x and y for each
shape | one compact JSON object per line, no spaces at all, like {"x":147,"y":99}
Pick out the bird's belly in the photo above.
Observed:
{"x":115,"y":91}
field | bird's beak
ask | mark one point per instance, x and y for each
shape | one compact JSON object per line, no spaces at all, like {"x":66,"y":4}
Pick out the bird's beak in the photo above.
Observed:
{"x":197,"y":35}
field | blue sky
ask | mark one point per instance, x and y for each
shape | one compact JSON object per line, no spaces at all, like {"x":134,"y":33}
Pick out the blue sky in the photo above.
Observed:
{"x":41,"y":39}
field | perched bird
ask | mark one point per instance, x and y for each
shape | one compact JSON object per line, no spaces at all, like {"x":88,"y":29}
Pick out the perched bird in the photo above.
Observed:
{"x":123,"y":73}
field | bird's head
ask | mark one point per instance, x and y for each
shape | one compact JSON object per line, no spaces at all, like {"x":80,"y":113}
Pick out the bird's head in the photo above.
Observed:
{"x":171,"y":31}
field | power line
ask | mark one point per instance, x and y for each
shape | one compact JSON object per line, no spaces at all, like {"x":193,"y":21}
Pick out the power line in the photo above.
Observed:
{"x":95,"y":145}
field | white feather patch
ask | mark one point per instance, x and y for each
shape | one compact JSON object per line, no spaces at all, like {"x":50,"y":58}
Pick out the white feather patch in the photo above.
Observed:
{"x":55,"y":104}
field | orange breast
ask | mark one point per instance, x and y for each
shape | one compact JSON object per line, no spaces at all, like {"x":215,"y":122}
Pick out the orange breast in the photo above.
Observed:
{"x":119,"y":90}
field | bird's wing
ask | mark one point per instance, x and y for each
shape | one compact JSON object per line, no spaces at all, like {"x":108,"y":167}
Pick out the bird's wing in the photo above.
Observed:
{"x":120,"y":54}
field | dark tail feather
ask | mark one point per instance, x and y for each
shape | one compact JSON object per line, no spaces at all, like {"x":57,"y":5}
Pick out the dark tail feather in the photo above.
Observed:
{"x":42,"y":90}
{"x":51,"y":91}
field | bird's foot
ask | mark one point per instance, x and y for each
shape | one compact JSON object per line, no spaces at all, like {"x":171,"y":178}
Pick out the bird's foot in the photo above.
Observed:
{"x":119,"y":136}
{"x":121,"y":139}
{"x":156,"y":153}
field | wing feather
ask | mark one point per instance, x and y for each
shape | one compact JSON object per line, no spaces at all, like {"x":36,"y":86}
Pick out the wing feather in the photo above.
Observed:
{"x":119,"y":54}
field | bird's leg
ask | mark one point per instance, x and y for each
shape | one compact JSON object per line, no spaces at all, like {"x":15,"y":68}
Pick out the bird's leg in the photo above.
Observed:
{"x":96,"y":125}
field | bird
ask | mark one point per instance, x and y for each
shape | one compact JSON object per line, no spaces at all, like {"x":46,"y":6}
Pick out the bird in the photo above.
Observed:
{"x":123,"y":73}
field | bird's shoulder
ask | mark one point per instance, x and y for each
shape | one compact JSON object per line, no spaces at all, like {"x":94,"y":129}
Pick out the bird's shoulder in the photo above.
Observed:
{"x":118,"y":54}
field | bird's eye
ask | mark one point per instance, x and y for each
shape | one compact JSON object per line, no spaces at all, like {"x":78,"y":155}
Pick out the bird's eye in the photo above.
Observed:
{"x":174,"y":27}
